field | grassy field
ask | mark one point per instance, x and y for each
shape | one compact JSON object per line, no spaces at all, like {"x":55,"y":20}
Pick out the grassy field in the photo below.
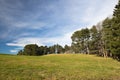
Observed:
{"x":58,"y":67}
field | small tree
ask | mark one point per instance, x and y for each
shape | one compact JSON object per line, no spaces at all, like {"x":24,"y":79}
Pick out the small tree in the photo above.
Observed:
{"x":20,"y":52}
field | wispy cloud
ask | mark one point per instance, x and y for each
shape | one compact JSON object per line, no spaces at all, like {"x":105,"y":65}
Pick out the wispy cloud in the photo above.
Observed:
{"x":13,"y":51}
{"x":62,"y":40}
{"x":98,"y":11}
{"x":23,"y":41}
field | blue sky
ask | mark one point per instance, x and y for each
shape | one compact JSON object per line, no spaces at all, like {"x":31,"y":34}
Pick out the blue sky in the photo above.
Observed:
{"x":47,"y":22}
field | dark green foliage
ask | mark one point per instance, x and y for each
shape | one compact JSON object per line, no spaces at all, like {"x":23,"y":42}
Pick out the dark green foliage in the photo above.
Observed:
{"x":67,"y":48}
{"x":56,"y":49}
{"x":117,"y":10}
{"x":51,"y":49}
{"x":20,"y":52}
{"x":35,"y":50}
{"x":107,"y":34}
{"x":115,"y":43}
{"x":42,"y":50}
{"x":31,"y":49}
{"x":105,"y":41}
{"x":94,"y":40}
{"x":80,"y":41}
{"x":111,"y":30}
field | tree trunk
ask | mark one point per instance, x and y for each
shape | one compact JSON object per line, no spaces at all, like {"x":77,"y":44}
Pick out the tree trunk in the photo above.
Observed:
{"x":88,"y":51}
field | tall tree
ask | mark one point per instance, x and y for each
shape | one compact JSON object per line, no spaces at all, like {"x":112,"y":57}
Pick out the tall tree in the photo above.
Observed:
{"x":111,"y":33}
{"x":107,"y":36}
{"x":94,"y":40}
{"x":115,"y":43}
{"x":80,"y":40}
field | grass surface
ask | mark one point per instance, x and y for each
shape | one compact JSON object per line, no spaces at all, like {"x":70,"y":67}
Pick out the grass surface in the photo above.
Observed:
{"x":58,"y":67}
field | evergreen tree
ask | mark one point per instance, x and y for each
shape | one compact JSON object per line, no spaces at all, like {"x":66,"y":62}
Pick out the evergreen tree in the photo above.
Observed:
{"x":80,"y":41}
{"x":20,"y":52}
{"x":31,"y":49}
{"x":67,"y":48}
{"x":111,"y":33}
{"x":107,"y":36}
{"x":94,"y":40}
{"x":115,"y":42}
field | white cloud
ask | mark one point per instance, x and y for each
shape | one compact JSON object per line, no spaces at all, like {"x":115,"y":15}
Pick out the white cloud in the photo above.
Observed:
{"x":88,"y":12}
{"x":14,"y":16}
{"x":29,"y":25}
{"x":20,"y":43}
{"x":24,"y":41}
{"x":98,"y":11}
{"x":76,"y":12}
{"x":13,"y":51}
{"x":62,"y":40}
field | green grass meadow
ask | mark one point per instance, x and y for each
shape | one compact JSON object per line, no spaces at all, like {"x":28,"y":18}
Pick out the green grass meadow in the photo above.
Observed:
{"x":58,"y":67}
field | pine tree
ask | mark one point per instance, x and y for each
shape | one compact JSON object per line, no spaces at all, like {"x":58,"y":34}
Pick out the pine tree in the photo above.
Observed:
{"x":115,"y":42}
{"x":80,"y":41}
{"x":94,"y":40}
{"x":107,"y":36}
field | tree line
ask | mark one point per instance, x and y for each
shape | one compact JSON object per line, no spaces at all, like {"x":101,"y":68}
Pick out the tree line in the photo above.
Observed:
{"x":102,"y":39}
{"x":35,"y":50}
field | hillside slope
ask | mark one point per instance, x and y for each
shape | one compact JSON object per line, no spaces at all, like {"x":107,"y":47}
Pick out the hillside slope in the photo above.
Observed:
{"x":58,"y":67}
